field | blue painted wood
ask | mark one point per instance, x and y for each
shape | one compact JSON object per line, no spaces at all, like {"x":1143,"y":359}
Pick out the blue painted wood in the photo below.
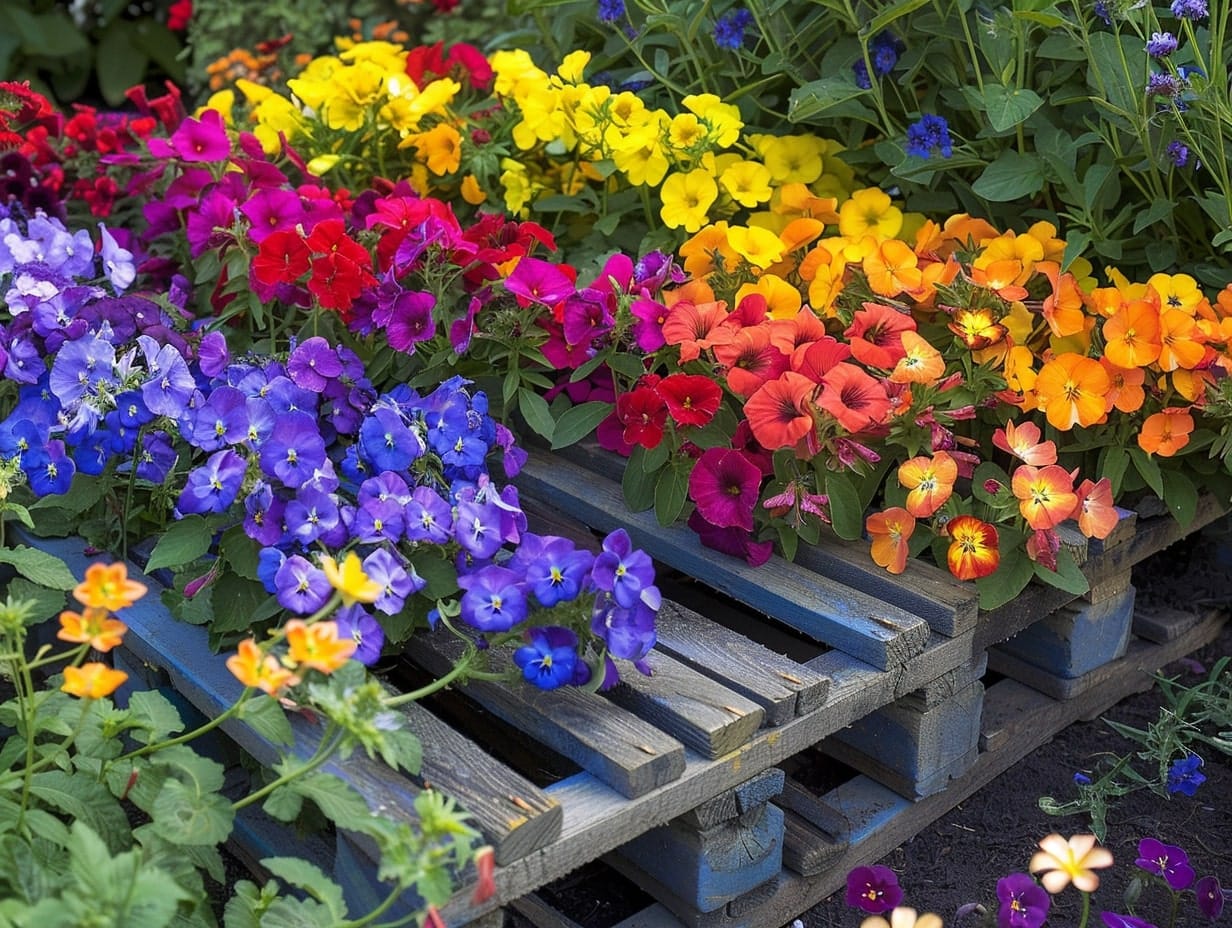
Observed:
{"x":1075,"y":640}
{"x":879,"y":633}
{"x":707,"y":869}
{"x":753,"y":792}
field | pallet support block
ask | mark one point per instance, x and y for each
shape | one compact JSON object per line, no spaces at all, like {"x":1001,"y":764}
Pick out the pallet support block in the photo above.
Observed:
{"x":1074,"y":640}
{"x":914,"y":751}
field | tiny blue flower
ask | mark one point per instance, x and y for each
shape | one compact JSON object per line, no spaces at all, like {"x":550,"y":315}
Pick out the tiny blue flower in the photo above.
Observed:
{"x":611,"y":10}
{"x":1189,"y":9}
{"x":1082,"y":779}
{"x":1184,"y":776}
{"x":1161,"y":44}
{"x":549,"y":657}
{"x":1178,"y":153}
{"x":730,"y":27}
{"x":931,"y":133}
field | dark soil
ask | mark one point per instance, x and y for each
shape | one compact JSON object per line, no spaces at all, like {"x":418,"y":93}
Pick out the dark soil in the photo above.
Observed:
{"x":959,"y":859}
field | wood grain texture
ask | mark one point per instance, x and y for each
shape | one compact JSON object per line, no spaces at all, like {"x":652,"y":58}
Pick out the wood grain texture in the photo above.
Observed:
{"x":704,"y":715}
{"x":1162,"y":623}
{"x":877,"y":632}
{"x":629,"y":754}
{"x":731,"y":803}
{"x":806,"y":849}
{"x":1073,"y":640}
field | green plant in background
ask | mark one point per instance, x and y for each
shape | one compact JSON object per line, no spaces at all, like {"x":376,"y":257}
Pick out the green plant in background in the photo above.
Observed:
{"x":1191,"y":720}
{"x":92,"y":52}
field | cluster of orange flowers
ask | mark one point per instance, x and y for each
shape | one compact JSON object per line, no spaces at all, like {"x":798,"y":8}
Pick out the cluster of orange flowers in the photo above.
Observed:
{"x":106,"y":588}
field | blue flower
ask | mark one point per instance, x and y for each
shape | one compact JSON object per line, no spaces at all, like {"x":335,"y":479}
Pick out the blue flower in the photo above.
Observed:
{"x":628,"y":632}
{"x":931,"y":133}
{"x":170,"y":383}
{"x":312,"y":515}
{"x":1082,"y":779}
{"x":214,"y":485}
{"x":622,"y":570}
{"x":428,"y":517}
{"x":729,"y":29}
{"x":263,"y":513}
{"x":493,"y":601}
{"x":549,"y":658}
{"x":118,"y":263}
{"x":1161,"y":44}
{"x":294,"y":449}
{"x":1162,"y":85}
{"x":49,"y":471}
{"x":478,"y":528}
{"x":1189,"y":9}
{"x":301,"y":586}
{"x":555,"y":570}
{"x":221,"y":420}
{"x":1178,"y":153}
{"x":611,"y":10}
{"x":1184,"y":776}
{"x":398,"y":582}
{"x":387,"y":442}
{"x":355,"y":622}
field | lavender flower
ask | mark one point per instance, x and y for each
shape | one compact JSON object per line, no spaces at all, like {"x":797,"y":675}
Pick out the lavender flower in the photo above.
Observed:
{"x":1178,"y":153}
{"x":493,"y":601}
{"x":1161,"y":44}
{"x":355,"y":622}
{"x":611,"y":10}
{"x":1189,"y":9}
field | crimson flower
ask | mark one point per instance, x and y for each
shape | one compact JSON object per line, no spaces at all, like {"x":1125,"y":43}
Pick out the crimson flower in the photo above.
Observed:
{"x":692,"y":399}
{"x":724,"y":484}
{"x":643,"y":414}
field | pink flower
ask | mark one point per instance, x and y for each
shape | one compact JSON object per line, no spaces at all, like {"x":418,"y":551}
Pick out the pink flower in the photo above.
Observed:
{"x":203,"y":139}
{"x":725,"y":484}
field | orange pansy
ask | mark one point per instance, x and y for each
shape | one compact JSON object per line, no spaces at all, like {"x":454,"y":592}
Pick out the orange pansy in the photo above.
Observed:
{"x":1000,"y":277}
{"x":1126,"y":393}
{"x":1096,"y":514}
{"x":930,"y":480}
{"x":973,"y":551}
{"x":890,"y":530}
{"x":1181,"y":341}
{"x":1192,"y":384}
{"x":921,"y":362}
{"x":1046,"y":496}
{"x":779,"y":412}
{"x":707,"y":249}
{"x":317,"y":645}
{"x":1071,"y":389}
{"x":253,"y":667}
{"x":1063,"y":307}
{"x":1167,"y":432}
{"x":93,"y":626}
{"x":892,"y":268}
{"x":92,"y":681}
{"x":1023,"y":441}
{"x":106,"y":586}
{"x":1131,"y":335}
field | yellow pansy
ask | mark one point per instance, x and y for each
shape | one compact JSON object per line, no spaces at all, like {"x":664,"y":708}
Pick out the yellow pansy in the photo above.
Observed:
{"x":686,"y":198}
{"x":222,"y":103}
{"x":747,"y":182}
{"x":783,"y":300}
{"x":869,"y":212}
{"x":1176,"y":291}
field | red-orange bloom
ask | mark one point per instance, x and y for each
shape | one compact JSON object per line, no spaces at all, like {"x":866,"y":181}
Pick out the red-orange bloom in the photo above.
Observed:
{"x":1096,"y":514}
{"x":890,"y":531}
{"x":1071,"y":389}
{"x":692,"y":399}
{"x":696,"y":327}
{"x":1046,"y":496}
{"x":854,"y":397}
{"x":973,"y":548}
{"x":930,"y":480}
{"x":815,"y":359}
{"x":779,"y":412}
{"x":920,"y":363}
{"x":977,"y":328}
{"x":1167,"y":432}
{"x":1131,"y":335}
{"x":318,"y":645}
{"x":750,"y":359}
{"x":1023,"y":441}
{"x":876,"y":333}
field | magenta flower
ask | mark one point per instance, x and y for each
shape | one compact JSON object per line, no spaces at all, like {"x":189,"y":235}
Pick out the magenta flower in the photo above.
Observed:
{"x":874,"y":890}
{"x":1024,"y":903}
{"x":724,"y":484}
{"x":1167,"y":861}
{"x":203,"y":139}
{"x":537,"y":281}
{"x":272,"y":210}
{"x":1210,"y":897}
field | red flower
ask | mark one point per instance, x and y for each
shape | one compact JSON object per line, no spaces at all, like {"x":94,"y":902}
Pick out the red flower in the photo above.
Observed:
{"x":179,"y":14}
{"x":750,"y":359}
{"x":692,"y":399}
{"x":876,"y":335}
{"x":337,"y":280}
{"x":282,"y":258}
{"x":725,"y":484}
{"x":643,"y":413}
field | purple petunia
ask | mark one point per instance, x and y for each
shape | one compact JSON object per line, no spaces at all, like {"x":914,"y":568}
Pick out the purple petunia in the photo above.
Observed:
{"x":874,"y":889}
{"x":202,"y":140}
{"x":1167,"y":861}
{"x":1210,"y":897}
{"x":1024,"y":903}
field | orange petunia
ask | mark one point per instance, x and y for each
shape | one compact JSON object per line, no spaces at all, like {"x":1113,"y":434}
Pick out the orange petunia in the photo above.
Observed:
{"x":817,"y":358}
{"x":106,"y":586}
{"x":854,"y":397}
{"x":1095,"y":512}
{"x":253,"y":667}
{"x":779,"y":412}
{"x":1046,"y":496}
{"x":875,"y":334}
{"x":1181,"y":344}
{"x":892,"y":268}
{"x":707,"y":249}
{"x":92,"y":681}
{"x":973,"y":549}
{"x":1125,"y":393}
{"x":1023,"y":442}
{"x":1167,"y":432}
{"x":890,"y":531}
{"x":318,"y":646}
{"x":1131,"y":335}
{"x":920,"y":363}
{"x":978,"y":328}
{"x":1071,"y":389}
{"x":930,"y":480}
{"x":696,"y":327}
{"x":93,"y":626}
{"x":801,"y":329}
{"x":750,"y":360}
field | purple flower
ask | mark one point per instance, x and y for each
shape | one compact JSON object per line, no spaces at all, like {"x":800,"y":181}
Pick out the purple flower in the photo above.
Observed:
{"x":628,"y":632}
{"x":493,"y":601}
{"x":156,"y":458}
{"x":1024,"y":903}
{"x":1189,"y":9}
{"x":313,"y":364}
{"x":1167,"y":861}
{"x":312,"y":515}
{"x":537,"y":281}
{"x":410,"y":320}
{"x":118,"y":263}
{"x":1184,"y":776}
{"x":49,"y":471}
{"x":1210,"y":897}
{"x":555,"y":570}
{"x":931,"y":133}
{"x":725,"y":485}
{"x":355,"y":622}
{"x":729,"y":28}
{"x":214,"y":485}
{"x":293,"y":450}
{"x":398,"y":583}
{"x":263,"y":513}
{"x":271,"y":210}
{"x":1161,"y":44}
{"x":301,"y":586}
{"x":478,"y":528}
{"x":1113,"y":920}
{"x":170,"y":384}
{"x":387,"y":442}
{"x":1178,"y":153}
{"x":212,"y":354}
{"x":203,"y":139}
{"x":549,"y":658}
{"x":428,"y":517}
{"x":221,"y":420}
{"x":1162,"y":85}
{"x":874,"y":890}
{"x":622,"y":570}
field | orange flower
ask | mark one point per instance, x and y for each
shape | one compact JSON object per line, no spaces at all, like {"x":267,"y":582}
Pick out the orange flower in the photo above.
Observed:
{"x":892,"y":268}
{"x":1071,"y":389}
{"x":1167,"y":432}
{"x":890,"y":531}
{"x":1046,"y":495}
{"x":1063,"y":308}
{"x":317,"y":645}
{"x":1179,"y":336}
{"x":750,"y":360}
{"x":706,"y":249}
{"x":253,"y":667}
{"x":875,"y":334}
{"x":1096,"y":514}
{"x":93,"y":626}
{"x":1126,"y":393}
{"x":696,"y":327}
{"x":1063,"y":862}
{"x":92,"y":681}
{"x":107,"y":586}
{"x":973,"y":548}
{"x":1000,"y":277}
{"x":930,"y":480}
{"x":855,"y":398}
{"x":978,"y":328}
{"x":922,"y":363}
{"x":1131,"y":335}
{"x":1023,"y":442}
{"x":779,"y":413}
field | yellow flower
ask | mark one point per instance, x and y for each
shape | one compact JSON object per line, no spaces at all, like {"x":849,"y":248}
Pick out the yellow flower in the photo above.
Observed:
{"x":318,"y":646}
{"x":792,"y":158}
{"x":759,"y":247}
{"x":571,"y":68}
{"x":387,"y":56}
{"x":1063,"y":862}
{"x":516,"y":75}
{"x":222,"y":102}
{"x":92,"y":681}
{"x":686,"y":198}
{"x":783,"y":301}
{"x":440,"y":148}
{"x":722,"y":118}
{"x":687,"y":135}
{"x":322,"y":164}
{"x":253,"y":92}
{"x":700,"y":251}
{"x":350,"y":580}
{"x":903,"y":917}
{"x":747,"y":182}
{"x":1176,"y":291}
{"x":869,"y":212}
{"x":471,"y":192}
{"x":640,"y":154}
{"x":542,"y":119}
{"x":518,"y":190}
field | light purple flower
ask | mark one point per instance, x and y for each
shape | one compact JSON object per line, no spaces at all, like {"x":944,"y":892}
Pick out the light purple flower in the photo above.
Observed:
{"x":493,"y":601}
{"x":118,"y":263}
{"x":301,"y":586}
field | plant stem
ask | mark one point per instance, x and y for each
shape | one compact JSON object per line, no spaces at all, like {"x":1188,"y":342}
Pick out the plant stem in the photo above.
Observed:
{"x":1086,"y":910}
{"x":329,"y":742}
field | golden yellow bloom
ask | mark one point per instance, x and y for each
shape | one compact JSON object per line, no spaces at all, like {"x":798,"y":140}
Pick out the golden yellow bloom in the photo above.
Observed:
{"x":93,"y":626}
{"x":747,"y":182}
{"x":783,"y":301}
{"x":471,"y":192}
{"x":574,"y":64}
{"x":700,"y":251}
{"x":869,"y":212}
{"x":687,"y":135}
{"x":92,"y":681}
{"x":640,"y":154}
{"x":350,"y":580}
{"x":759,"y":247}
{"x":1177,"y":291}
{"x":440,"y":148}
{"x":221,"y":102}
{"x":792,"y":158}
{"x":723,"y":119}
{"x":107,"y":586}
{"x":518,"y":190}
{"x":686,"y":199}
{"x":318,"y":646}
{"x":1063,"y":862}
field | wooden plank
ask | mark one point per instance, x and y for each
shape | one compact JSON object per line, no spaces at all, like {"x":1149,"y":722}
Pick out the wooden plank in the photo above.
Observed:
{"x":730,"y":803}
{"x":877,"y":632}
{"x":1072,"y":641}
{"x":704,"y":715}
{"x":947,"y":685}
{"x":1163,"y":623}
{"x":782,"y":687}
{"x":803,"y":803}
{"x":632,"y":756}
{"x":807,"y":849}
{"x":540,"y":914}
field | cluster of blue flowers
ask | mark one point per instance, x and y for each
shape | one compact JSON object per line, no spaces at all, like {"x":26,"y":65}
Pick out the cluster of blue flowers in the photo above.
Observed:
{"x":729,"y":28}
{"x":307,"y":454}
{"x":930,"y":134}
{"x":883,"y":52}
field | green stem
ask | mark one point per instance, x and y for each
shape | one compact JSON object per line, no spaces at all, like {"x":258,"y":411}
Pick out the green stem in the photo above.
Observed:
{"x":329,"y":742}
{"x":1086,"y":910}
{"x":231,"y":712}
{"x":459,"y":669}
{"x":380,"y":910}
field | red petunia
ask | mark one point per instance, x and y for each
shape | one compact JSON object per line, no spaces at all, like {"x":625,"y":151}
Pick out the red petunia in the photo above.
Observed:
{"x":876,"y":335}
{"x":644,"y":414}
{"x":282,"y":258}
{"x":692,"y":399}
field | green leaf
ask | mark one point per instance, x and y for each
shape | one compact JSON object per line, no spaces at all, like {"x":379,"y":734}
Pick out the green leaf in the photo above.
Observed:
{"x":989,"y":472}
{"x":846,"y":514}
{"x":1122,"y":71}
{"x":1113,"y":461}
{"x":21,"y":512}
{"x":234,"y":601}
{"x":1010,"y":578}
{"x":87,"y":801}
{"x":892,"y":12}
{"x":816,"y":97}
{"x":47,"y":603}
{"x":119,"y":63}
{"x":1012,"y":176}
{"x":671,"y":492}
{"x":637,"y":484}
{"x":536,"y":412}
{"x":440,"y":574}
{"x":154,"y":716}
{"x":311,"y":879}
{"x":1067,"y":577}
{"x":185,"y":814}
{"x":265,"y":715}
{"x":182,"y":543}
{"x":1159,"y":209}
{"x":39,"y":567}
{"x":578,"y":422}
{"x":1148,"y":469}
{"x":1076,"y":244}
{"x":337,"y":800}
{"x":241,"y":553}
{"x":1180,"y":495}
{"x":1009,"y":107}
